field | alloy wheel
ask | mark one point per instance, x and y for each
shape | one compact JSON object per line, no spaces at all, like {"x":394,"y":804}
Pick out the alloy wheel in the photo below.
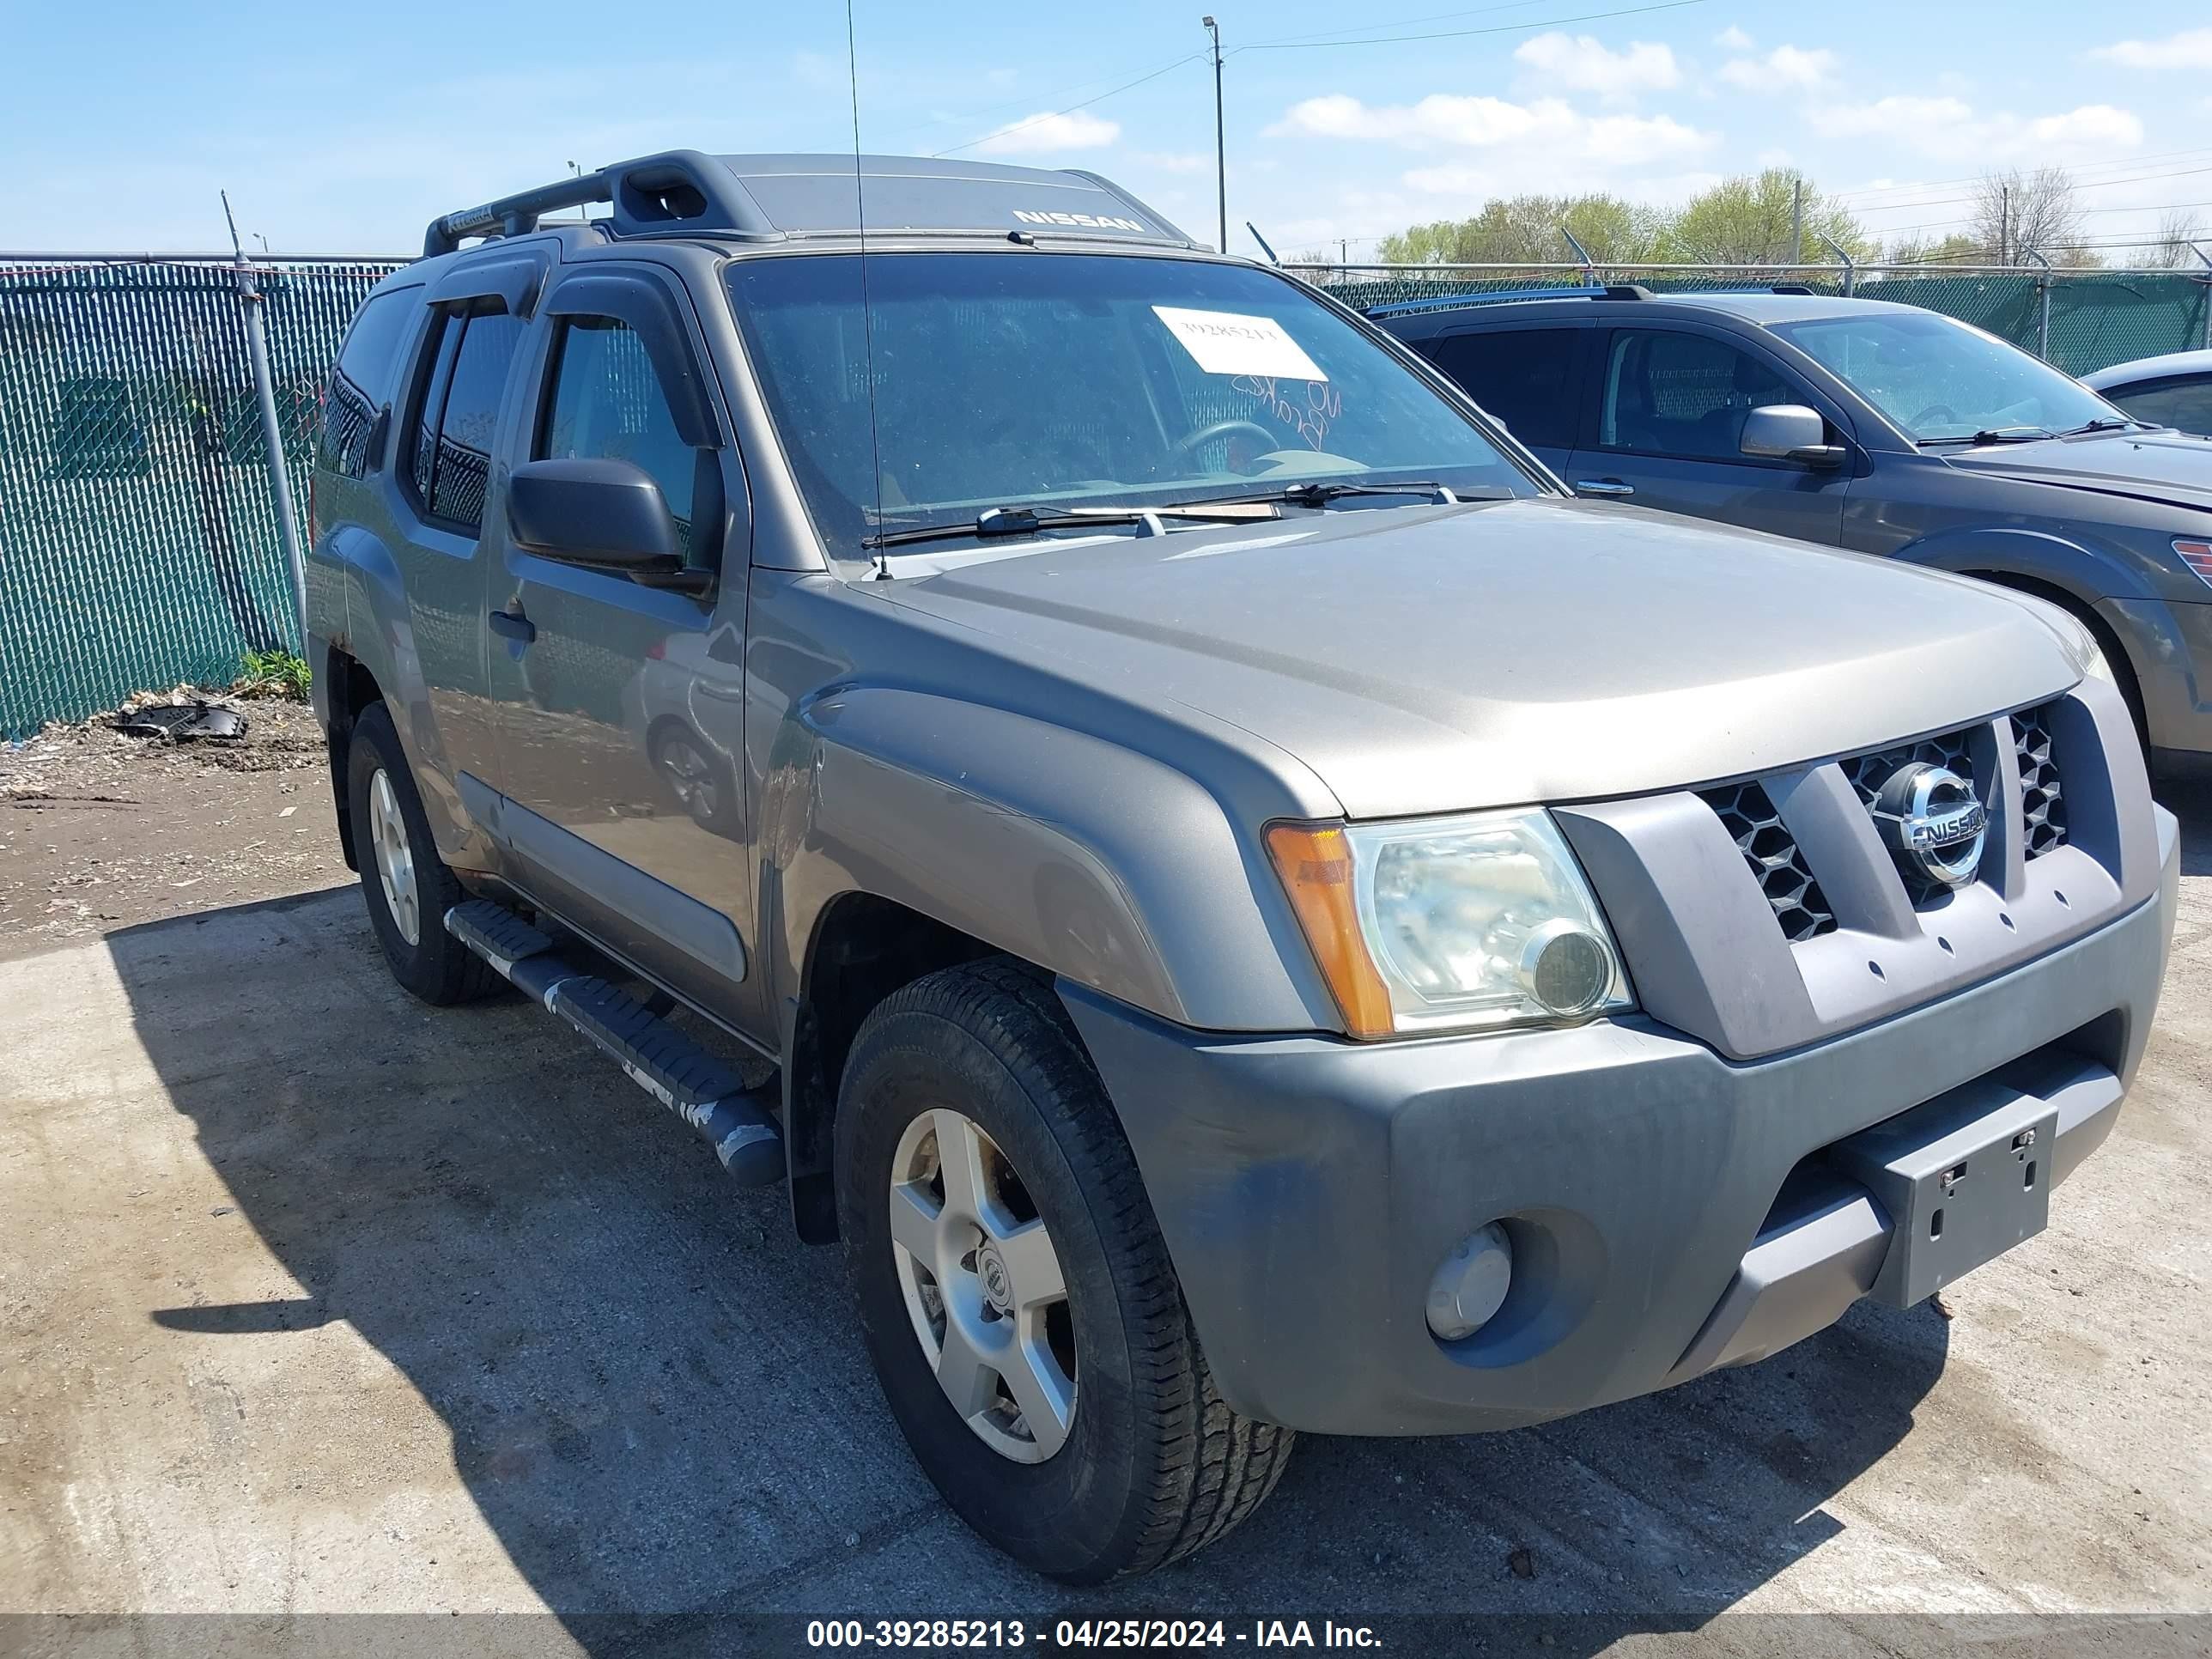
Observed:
{"x":983,"y":1286}
{"x":395,"y":857}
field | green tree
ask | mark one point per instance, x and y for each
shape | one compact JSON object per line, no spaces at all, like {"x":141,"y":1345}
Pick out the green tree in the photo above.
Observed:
{"x":1525,"y":230}
{"x":1749,"y":220}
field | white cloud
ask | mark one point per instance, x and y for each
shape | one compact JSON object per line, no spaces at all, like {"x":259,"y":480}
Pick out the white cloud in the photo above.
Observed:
{"x":1949,"y":127}
{"x":1582,"y":62}
{"x":1899,"y":117}
{"x":1786,"y":68}
{"x":1733,"y":39}
{"x":1482,"y":123}
{"x":2191,"y":49}
{"x":1037,"y":134}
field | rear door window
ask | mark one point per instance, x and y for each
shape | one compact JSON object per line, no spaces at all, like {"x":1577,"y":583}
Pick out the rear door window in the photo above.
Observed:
{"x":362,"y":383}
{"x":1529,"y":378}
{"x":456,"y":420}
{"x":1669,"y":393}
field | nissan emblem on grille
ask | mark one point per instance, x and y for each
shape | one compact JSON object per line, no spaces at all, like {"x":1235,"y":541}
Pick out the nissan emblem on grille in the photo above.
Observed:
{"x":1933,"y":824}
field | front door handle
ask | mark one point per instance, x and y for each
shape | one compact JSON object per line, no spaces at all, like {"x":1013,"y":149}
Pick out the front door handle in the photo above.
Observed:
{"x":513,"y":625}
{"x":1602,"y":486}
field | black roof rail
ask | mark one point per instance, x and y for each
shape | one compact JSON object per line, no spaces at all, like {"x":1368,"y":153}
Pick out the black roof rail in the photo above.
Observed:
{"x":1791,"y":287}
{"x":1628,"y":291}
{"x":650,"y":193}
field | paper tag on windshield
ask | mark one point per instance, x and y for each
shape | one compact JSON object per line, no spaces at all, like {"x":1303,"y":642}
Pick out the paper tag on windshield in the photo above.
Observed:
{"x":1227,"y":343}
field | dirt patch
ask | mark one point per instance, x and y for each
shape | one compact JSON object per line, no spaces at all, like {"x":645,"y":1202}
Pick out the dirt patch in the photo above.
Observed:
{"x":99,"y":830}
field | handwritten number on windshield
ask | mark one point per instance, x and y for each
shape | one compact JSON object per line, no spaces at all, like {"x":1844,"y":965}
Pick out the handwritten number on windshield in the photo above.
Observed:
{"x":1310,"y":415}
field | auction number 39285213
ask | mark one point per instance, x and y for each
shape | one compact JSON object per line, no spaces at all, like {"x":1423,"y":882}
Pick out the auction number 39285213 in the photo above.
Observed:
{"x":1126,"y":1634}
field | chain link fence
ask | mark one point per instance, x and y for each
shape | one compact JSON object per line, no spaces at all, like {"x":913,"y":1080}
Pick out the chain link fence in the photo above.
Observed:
{"x":138,"y":543}
{"x":139,"y":546}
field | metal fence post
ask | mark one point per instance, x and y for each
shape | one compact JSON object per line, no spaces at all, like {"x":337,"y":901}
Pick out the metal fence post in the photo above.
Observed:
{"x":1590,"y":274}
{"x":1850,"y":266}
{"x":2043,"y":321}
{"x":2204,"y":323}
{"x":272,"y":431}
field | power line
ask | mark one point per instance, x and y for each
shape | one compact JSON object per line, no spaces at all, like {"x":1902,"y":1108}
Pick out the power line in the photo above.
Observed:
{"x":1398,"y":23}
{"x":1462,"y":34}
{"x":2086,"y":167}
{"x":2088,"y":184}
{"x":1034,"y":120}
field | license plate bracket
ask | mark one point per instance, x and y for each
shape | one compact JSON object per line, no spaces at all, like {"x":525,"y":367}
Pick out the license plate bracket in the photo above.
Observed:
{"x":1964,"y":1177}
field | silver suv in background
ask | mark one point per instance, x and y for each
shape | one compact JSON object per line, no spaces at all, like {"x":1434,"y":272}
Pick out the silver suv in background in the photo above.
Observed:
{"x":1873,"y":427}
{"x":1260,"y":912}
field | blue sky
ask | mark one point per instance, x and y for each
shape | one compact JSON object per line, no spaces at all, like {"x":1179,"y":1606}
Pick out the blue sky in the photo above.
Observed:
{"x":346,"y":128}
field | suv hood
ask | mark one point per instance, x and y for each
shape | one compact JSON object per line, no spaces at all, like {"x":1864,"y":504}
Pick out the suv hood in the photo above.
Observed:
{"x":1423,"y":660}
{"x":2172,"y":467}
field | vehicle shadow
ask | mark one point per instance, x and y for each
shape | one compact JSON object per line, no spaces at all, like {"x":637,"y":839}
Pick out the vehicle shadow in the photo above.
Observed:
{"x":656,"y":1401}
{"x":2189,"y":799}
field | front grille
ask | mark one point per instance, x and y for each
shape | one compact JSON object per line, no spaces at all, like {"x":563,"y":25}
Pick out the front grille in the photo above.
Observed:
{"x":1800,"y":908}
{"x":1868,"y":773}
{"x":2042,"y":800}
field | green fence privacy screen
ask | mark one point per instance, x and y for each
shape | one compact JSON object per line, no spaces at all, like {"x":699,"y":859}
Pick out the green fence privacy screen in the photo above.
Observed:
{"x":2096,"y":318}
{"x":138,"y":543}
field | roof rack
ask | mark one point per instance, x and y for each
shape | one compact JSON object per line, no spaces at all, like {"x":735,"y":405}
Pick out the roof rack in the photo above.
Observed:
{"x":1458,"y":302}
{"x":767,"y":198}
{"x":650,"y":193}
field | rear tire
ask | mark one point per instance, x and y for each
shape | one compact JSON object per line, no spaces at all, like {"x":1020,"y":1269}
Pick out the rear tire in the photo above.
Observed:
{"x":406,"y":886}
{"x":1148,"y":1463}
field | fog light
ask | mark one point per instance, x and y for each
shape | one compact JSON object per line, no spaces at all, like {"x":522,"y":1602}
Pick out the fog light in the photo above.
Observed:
{"x":1566,"y":968}
{"x":1471,"y":1284}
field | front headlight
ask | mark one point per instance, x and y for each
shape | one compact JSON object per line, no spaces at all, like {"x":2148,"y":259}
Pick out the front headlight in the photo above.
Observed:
{"x":1450,"y":924}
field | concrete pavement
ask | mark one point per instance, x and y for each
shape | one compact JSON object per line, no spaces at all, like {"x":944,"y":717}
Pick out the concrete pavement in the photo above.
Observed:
{"x":312,"y":1299}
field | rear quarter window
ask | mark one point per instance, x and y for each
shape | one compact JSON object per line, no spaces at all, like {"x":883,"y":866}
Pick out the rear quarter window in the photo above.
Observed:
{"x":362,"y":383}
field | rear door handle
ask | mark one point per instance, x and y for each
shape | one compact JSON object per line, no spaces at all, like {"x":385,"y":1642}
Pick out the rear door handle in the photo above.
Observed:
{"x":513,"y":625}
{"x":1602,"y":486}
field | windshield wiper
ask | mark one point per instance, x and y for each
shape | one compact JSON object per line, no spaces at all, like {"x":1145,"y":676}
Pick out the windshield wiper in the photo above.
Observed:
{"x":1030,"y":521}
{"x":1316,"y":493}
{"x":2000,"y":434}
{"x":2102,"y":426}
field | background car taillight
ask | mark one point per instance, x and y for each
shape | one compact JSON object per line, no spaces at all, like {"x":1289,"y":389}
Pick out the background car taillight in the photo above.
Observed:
{"x":2197,"y":555}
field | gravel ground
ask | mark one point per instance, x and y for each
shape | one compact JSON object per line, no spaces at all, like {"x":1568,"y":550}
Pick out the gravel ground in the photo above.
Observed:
{"x":99,"y":830}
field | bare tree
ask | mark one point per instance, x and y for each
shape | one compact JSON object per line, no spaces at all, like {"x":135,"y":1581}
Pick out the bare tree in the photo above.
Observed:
{"x":2015,"y":212}
{"x":2176,"y":231}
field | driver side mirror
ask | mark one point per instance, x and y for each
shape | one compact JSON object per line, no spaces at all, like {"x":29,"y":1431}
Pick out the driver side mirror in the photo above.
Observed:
{"x":605,"y":514}
{"x":1790,"y":432}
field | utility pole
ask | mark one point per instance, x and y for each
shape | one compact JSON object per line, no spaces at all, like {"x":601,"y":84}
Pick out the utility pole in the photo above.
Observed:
{"x":1220,"y":162}
{"x":2004,"y":224}
{"x":1796,"y":222}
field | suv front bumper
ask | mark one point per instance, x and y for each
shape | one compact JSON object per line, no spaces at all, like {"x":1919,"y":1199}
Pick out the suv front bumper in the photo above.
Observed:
{"x":1671,"y":1210}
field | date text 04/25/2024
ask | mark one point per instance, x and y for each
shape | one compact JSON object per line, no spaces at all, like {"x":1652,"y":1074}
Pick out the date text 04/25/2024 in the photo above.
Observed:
{"x":1086,"y":1633}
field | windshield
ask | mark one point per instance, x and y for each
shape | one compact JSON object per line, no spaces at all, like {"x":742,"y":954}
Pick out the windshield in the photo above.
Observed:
{"x":1940,"y":379}
{"x":1079,"y":380}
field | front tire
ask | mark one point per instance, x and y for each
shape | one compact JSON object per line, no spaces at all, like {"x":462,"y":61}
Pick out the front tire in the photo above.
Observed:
{"x":405,"y":885}
{"x":1016,"y":1295}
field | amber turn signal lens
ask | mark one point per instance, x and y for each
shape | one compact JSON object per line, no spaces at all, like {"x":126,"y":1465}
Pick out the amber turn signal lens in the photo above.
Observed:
{"x":1314,"y":861}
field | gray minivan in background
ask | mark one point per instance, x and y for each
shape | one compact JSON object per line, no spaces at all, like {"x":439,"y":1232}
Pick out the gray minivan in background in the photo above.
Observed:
{"x":1874,"y":426}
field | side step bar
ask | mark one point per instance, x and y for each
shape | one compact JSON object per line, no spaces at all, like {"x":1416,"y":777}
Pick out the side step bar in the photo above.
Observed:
{"x":667,"y":1064}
